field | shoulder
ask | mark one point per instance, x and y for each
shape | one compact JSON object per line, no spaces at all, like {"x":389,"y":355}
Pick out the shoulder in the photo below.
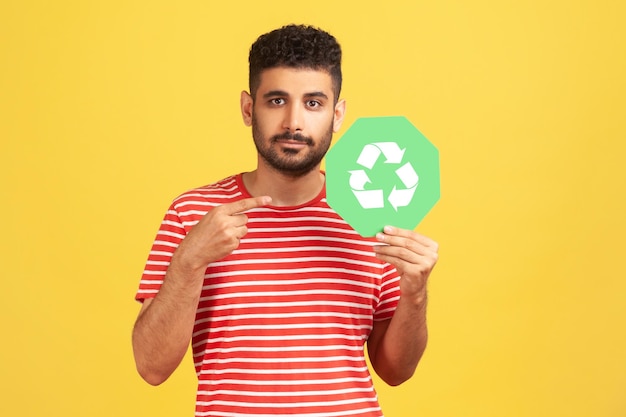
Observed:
{"x":214,"y":194}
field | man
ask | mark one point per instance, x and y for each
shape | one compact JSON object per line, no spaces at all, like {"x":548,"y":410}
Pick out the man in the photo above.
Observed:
{"x":275,"y":292}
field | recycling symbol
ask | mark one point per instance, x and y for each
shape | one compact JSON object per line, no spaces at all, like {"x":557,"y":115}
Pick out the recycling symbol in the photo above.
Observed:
{"x":398,"y":197}
{"x":382,"y":171}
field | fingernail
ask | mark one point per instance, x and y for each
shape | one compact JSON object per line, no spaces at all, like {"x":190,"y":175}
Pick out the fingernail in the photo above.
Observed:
{"x":388,"y":229}
{"x":380,"y":236}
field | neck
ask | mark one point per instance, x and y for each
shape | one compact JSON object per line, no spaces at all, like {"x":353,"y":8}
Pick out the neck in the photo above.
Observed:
{"x":285,"y":190}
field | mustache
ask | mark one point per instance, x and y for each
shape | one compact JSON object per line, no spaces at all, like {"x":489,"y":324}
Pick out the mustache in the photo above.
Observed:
{"x":293,"y":136}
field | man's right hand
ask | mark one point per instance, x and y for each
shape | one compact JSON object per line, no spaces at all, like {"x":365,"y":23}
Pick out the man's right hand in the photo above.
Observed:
{"x":165,"y":323}
{"x":216,"y":235}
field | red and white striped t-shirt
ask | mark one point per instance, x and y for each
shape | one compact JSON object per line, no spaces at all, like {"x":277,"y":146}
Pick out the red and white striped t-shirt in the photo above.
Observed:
{"x":282,"y":321}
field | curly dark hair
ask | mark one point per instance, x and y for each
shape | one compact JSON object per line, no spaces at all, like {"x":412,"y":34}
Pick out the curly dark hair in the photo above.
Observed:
{"x":295,"y":46}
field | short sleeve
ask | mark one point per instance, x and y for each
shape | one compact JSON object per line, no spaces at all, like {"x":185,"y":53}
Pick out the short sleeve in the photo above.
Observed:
{"x":389,"y":294}
{"x":170,"y":234}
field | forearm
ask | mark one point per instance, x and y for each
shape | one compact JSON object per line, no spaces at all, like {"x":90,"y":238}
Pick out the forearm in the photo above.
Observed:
{"x":403,"y":343}
{"x":398,"y":345}
{"x":163,"y":330}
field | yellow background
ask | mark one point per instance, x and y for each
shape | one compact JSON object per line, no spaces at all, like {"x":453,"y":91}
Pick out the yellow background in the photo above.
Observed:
{"x":109,"y":109}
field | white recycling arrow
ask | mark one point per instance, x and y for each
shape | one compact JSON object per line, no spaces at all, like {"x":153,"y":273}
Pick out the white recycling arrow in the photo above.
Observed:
{"x":401,"y":198}
{"x":392,"y":152}
{"x":407,"y":175}
{"x":369,"y":156}
{"x":370,"y":199}
{"x":375,"y":198}
{"x":367,"y":199}
{"x":410,"y":179}
{"x":358,"y":179}
{"x":370,"y":153}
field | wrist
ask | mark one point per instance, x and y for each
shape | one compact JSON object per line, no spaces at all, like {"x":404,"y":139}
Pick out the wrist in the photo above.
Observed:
{"x":185,"y":263}
{"x":419,"y":304}
{"x":414,"y":310}
{"x":184,"y":277}
{"x":416,"y":295}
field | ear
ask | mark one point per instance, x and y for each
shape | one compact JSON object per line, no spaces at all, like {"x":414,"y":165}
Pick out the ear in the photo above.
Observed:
{"x":246,"y":102}
{"x":340,"y":111}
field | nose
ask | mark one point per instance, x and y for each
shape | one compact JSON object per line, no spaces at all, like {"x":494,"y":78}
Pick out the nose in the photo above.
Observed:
{"x":294,"y":118}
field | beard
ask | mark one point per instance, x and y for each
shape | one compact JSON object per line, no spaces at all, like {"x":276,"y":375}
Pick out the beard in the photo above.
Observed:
{"x":291,"y":162}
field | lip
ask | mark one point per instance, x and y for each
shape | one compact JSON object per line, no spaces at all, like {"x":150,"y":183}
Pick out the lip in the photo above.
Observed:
{"x":292,"y":143}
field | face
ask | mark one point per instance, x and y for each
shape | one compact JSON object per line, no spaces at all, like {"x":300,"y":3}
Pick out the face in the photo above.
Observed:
{"x":293,"y":117}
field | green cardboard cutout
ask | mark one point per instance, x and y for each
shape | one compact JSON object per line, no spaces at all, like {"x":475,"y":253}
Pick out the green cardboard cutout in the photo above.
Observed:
{"x":381,"y":172}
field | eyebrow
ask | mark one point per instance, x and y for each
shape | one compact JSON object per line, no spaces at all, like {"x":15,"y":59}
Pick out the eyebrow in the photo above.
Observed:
{"x":281,"y":93}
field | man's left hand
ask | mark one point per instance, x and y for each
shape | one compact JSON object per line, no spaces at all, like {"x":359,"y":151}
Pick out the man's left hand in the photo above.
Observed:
{"x":414,"y":257}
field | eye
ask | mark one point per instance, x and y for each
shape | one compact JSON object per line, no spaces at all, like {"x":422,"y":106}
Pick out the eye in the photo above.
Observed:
{"x":313,"y":103}
{"x":277,"y":101}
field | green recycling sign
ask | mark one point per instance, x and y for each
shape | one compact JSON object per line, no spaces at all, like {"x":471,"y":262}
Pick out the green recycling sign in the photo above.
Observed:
{"x":382,"y":171}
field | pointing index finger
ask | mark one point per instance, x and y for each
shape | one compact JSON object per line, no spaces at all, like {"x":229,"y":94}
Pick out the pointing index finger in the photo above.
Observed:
{"x":246,"y":204}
